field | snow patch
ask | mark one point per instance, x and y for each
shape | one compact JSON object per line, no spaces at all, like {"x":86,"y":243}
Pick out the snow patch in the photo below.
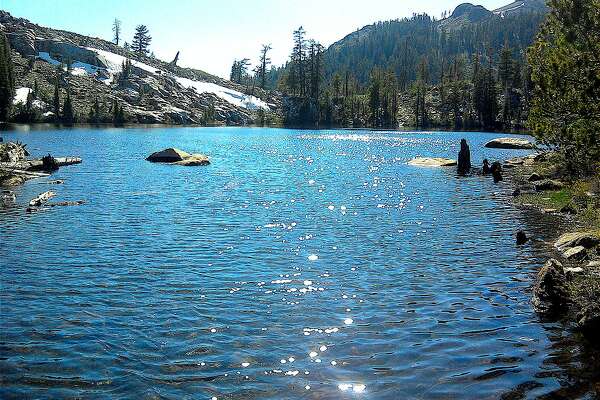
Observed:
{"x":231,"y":96}
{"x":21,"y":95}
{"x":114,"y":63}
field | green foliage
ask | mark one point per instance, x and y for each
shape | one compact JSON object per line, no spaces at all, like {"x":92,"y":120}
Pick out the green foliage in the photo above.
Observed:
{"x":119,"y":117}
{"x":141,"y":40}
{"x":68,"y":117}
{"x":7,"y":80}
{"x":565,"y":68}
{"x":400,"y":45}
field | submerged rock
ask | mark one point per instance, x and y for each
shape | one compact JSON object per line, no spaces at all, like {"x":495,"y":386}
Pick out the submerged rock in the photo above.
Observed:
{"x":521,"y":238}
{"x":432,"y":162}
{"x":510,"y":143}
{"x":178,"y":157}
{"x":550,"y":293}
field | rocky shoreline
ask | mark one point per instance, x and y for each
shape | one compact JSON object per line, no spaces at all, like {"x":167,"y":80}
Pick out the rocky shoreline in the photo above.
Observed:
{"x":567,"y":287}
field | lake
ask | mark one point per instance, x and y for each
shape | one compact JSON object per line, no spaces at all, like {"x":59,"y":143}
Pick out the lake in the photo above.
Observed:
{"x":299,"y":264}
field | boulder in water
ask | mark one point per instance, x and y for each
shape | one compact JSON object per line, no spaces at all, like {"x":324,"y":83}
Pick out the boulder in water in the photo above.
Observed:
{"x":432,"y":162}
{"x":510,"y":143}
{"x":521,"y":238}
{"x":550,"y":290}
{"x":178,"y":157}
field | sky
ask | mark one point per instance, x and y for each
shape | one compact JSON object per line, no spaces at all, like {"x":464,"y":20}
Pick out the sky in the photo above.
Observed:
{"x":211,"y":34}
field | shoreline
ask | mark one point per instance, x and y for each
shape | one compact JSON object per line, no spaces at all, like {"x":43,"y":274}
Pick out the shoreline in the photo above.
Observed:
{"x":567,"y":286}
{"x":8,"y":126}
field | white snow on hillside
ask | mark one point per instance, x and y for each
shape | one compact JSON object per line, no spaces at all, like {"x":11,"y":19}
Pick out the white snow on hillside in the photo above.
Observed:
{"x":114,"y":63}
{"x":21,"y":95}
{"x":21,"y":98}
{"x":232,"y":96}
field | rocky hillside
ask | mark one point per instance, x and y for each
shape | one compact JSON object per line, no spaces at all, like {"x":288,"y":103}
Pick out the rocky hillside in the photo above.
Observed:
{"x":151,"y":91}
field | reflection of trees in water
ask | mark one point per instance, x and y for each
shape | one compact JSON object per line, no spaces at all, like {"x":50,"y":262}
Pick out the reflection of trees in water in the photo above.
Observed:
{"x":573,"y":359}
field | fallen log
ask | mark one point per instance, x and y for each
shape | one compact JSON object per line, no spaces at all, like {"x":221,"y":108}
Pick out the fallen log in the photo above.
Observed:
{"x":16,"y":171}
{"x":41,"y":199}
{"x":59,"y":204}
{"x":66,"y":203}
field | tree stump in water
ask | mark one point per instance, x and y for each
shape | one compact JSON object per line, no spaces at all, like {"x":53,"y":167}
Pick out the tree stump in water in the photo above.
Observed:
{"x":464,"y":158}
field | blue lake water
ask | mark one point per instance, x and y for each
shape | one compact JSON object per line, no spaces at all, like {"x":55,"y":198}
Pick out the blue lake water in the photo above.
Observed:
{"x":300,"y":264}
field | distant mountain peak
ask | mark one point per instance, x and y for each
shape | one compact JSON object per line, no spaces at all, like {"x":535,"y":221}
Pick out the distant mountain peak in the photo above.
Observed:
{"x":471,"y":12}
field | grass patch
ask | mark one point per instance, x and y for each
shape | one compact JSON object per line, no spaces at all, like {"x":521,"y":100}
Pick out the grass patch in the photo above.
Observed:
{"x":554,"y":199}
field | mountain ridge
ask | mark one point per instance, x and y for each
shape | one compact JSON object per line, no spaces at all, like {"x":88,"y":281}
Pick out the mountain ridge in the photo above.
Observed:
{"x":154,"y":92}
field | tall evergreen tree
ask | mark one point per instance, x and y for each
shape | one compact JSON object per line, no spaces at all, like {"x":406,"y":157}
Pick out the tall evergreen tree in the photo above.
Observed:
{"x":565,"y":69}
{"x":68,"y":117}
{"x":7,"y":82}
{"x":264,"y":62}
{"x":56,"y":99}
{"x":141,"y":40}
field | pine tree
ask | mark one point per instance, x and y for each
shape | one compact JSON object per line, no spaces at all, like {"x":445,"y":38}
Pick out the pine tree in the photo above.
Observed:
{"x":565,"y":70}
{"x":116,"y":28}
{"x":7,"y":83}
{"x":297,"y":78}
{"x":264,"y":62}
{"x":56,"y":100}
{"x":67,"y":116}
{"x":141,"y":40}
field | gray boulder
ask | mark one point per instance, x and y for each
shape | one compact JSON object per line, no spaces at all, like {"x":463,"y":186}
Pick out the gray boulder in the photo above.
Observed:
{"x":178,"y":157}
{"x":550,"y":293}
{"x":23,"y":42}
{"x":574,"y":239}
{"x":575,"y":253}
{"x":510,"y":143}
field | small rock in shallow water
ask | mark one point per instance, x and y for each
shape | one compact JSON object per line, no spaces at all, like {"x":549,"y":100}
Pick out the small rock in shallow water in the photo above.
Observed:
{"x":549,"y":292}
{"x":522,"y":238}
